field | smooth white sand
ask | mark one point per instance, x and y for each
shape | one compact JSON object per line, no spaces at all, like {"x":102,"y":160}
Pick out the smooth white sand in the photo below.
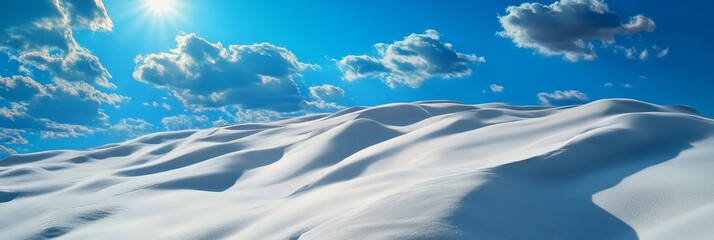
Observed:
{"x":611,"y":169}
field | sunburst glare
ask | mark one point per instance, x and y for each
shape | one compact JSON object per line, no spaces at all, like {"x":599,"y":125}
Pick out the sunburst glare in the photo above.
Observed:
{"x":158,"y":20}
{"x":162,"y":8}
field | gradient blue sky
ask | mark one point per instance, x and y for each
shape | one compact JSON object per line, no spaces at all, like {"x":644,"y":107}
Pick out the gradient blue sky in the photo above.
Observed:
{"x":320,"y":36}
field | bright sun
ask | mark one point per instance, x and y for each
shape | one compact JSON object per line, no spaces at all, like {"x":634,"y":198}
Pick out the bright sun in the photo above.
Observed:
{"x":162,"y":7}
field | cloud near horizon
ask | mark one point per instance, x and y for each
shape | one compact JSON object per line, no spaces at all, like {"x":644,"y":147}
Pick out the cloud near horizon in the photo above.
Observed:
{"x":568,"y":27}
{"x":324,"y":97}
{"x":562,"y":98}
{"x":495,"y":88}
{"x":208,"y":75}
{"x":410,"y":61}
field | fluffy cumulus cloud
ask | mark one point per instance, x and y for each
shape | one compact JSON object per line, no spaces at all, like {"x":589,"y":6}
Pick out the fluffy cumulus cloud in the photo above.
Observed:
{"x":327,"y":92}
{"x":560,"y":98}
{"x":324,"y":96}
{"x":203,"y":74}
{"x":35,"y":106}
{"x":568,"y":27}
{"x":58,"y":88}
{"x":410,"y":61}
{"x":38,"y":34}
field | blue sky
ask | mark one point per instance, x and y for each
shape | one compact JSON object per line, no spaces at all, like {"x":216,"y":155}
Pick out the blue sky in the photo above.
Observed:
{"x":77,"y":74}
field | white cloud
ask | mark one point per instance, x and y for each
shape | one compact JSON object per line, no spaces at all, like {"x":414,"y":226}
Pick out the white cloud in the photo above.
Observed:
{"x":87,"y":14}
{"x":661,"y":52}
{"x":156,"y":105}
{"x":321,"y":105}
{"x":183,"y":121}
{"x":609,"y":84}
{"x":327,"y":92}
{"x":208,"y":75}
{"x":567,"y":27}
{"x":496,"y":88}
{"x":56,"y":90}
{"x":323,"y":96}
{"x":59,"y":130}
{"x":128,"y":128}
{"x":627,"y":85}
{"x":410,"y":61}
{"x":220,"y":122}
{"x":559,"y":98}
{"x":5,"y":151}
{"x":630,"y":52}
{"x":253,"y":115}
{"x":644,"y":55}
{"x":16,"y":110}
{"x":61,"y":101}
{"x":11,"y":136}
{"x":39,"y":35}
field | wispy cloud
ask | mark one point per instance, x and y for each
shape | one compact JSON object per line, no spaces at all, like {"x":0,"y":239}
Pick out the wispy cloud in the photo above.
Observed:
{"x":560,"y":98}
{"x":497,"y":88}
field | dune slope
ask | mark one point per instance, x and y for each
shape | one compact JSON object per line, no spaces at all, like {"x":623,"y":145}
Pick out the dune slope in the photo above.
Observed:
{"x":610,"y":169}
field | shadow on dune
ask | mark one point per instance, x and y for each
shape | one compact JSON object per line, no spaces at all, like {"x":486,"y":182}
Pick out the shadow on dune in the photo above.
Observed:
{"x":551,"y":196}
{"x":222,"y":180}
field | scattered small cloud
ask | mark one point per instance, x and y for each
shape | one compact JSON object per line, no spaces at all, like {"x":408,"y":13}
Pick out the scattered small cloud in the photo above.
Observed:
{"x":496,"y":88}
{"x":410,"y":61}
{"x":220,"y":122}
{"x":255,"y":115}
{"x":609,"y":84}
{"x":560,"y":98}
{"x":568,"y":27}
{"x":633,"y":52}
{"x":183,"y":121}
{"x":644,"y":55}
{"x":327,"y":92}
{"x":660,"y":51}
{"x":11,"y":136}
{"x":156,"y":105}
{"x":630,"y":53}
{"x":5,"y":151}
{"x":128,"y":128}
{"x":627,"y":85}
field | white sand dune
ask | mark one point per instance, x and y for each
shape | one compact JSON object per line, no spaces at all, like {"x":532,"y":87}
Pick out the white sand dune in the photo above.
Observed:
{"x":611,"y":169}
